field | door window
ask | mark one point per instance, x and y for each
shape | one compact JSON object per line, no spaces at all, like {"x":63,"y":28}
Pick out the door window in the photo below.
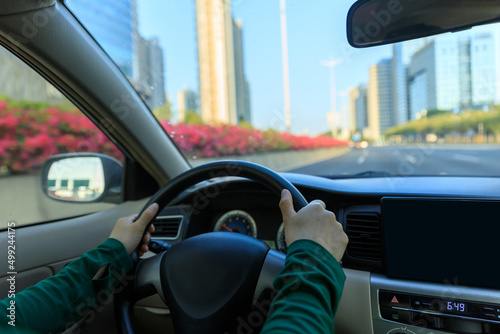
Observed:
{"x":37,"y":122}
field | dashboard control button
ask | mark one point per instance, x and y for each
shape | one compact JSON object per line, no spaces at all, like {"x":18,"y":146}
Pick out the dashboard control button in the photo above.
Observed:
{"x":438,"y":322}
{"x":394,"y":299}
{"x":400,"y":316}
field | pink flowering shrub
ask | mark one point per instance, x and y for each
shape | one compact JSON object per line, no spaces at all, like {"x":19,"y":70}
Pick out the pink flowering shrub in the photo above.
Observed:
{"x":216,"y":141}
{"x":30,"y":134}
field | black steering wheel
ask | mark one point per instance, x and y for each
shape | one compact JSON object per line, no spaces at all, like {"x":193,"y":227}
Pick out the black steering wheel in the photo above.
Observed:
{"x":209,"y":280}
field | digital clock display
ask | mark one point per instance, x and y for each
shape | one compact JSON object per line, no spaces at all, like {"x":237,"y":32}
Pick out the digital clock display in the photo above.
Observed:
{"x":454,"y":306}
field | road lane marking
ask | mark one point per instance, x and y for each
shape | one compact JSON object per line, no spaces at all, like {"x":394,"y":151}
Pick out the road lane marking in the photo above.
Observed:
{"x":410,"y":158}
{"x":467,"y":158}
{"x":362,"y":158}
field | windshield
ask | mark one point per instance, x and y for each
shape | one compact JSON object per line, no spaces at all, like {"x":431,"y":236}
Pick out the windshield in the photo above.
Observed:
{"x":275,"y":82}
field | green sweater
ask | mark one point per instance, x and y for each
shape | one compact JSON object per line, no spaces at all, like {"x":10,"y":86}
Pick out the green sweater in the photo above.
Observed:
{"x":61,"y":300}
{"x":309,"y":289}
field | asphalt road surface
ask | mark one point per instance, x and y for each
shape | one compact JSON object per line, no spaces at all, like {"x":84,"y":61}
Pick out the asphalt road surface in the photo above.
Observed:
{"x":414,"y":160}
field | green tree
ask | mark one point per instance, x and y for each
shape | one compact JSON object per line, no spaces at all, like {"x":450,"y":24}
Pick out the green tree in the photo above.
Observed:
{"x":436,"y":112}
{"x":245,"y":125}
{"x":163,"y":112}
{"x":192,"y":117}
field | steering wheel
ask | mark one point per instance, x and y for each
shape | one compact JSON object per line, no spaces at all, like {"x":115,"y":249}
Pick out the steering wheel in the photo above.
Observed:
{"x":209,"y":280}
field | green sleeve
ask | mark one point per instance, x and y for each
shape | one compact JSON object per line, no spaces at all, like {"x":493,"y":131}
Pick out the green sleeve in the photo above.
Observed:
{"x":309,"y":290}
{"x":61,"y":300}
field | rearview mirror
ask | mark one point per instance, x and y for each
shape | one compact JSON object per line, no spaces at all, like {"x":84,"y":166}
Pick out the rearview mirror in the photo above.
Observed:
{"x":378,"y":22}
{"x":82,"y":178}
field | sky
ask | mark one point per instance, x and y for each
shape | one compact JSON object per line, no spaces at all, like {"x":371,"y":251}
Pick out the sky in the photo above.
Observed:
{"x":316,"y":32}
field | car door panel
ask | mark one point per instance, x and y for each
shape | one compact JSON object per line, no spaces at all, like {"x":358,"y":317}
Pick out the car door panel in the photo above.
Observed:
{"x":63,"y":240}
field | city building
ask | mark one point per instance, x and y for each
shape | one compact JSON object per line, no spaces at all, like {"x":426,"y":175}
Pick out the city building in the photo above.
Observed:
{"x":454,"y":72}
{"x":358,"y":109}
{"x":224,"y":90}
{"x":242,"y":86}
{"x":434,"y":76}
{"x":148,"y":77}
{"x":34,"y":88}
{"x":214,"y":24}
{"x":111,"y":24}
{"x":402,"y":54}
{"x":464,"y":72}
{"x":379,"y":99}
{"x":186,"y":100}
{"x":483,"y":70}
{"x":399,"y":84}
{"x":115,"y":27}
{"x":409,"y":48}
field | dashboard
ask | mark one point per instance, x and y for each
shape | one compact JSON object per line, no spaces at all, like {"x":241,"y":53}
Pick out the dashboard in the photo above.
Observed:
{"x":421,"y":253}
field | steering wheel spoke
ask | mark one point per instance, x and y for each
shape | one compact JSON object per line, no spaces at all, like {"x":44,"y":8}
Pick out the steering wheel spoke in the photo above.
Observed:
{"x":148,"y":278}
{"x":273,"y":263}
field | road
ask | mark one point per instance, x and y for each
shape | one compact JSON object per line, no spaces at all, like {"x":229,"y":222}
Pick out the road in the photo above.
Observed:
{"x":423,"y":159}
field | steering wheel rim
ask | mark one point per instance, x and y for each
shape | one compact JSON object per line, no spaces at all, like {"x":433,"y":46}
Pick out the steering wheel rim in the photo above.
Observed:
{"x":263,"y":262}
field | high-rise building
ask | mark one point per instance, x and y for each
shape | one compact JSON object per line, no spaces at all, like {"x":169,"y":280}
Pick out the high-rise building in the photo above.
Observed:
{"x":483,"y":69}
{"x":214,"y":24}
{"x":148,"y":77}
{"x":34,"y":88}
{"x":418,"y":87}
{"x":464,"y":72}
{"x":114,"y":25}
{"x":399,"y":85}
{"x":401,"y":58}
{"x":409,"y":48}
{"x":242,"y":86}
{"x":358,"y":108}
{"x":439,"y":88}
{"x":186,"y":100}
{"x":379,"y":99}
{"x":224,"y":89}
{"x":110,"y":22}
{"x":454,"y":72}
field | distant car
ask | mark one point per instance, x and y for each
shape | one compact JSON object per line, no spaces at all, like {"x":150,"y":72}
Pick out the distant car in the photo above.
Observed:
{"x":360,"y":144}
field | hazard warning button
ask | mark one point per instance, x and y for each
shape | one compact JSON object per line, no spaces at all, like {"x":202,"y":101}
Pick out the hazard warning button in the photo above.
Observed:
{"x":394,"y":299}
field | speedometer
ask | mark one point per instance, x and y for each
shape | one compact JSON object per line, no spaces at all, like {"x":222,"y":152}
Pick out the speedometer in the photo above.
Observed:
{"x":237,"y":221}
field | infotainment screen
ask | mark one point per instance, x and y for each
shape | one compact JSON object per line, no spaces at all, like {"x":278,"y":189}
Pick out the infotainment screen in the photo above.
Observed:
{"x":451,"y":241}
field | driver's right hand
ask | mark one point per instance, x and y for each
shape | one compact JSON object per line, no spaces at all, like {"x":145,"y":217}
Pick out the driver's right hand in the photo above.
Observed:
{"x":313,"y":222}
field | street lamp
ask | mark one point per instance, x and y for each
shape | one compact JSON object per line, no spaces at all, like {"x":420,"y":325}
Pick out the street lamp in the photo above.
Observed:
{"x":286,"y":78}
{"x":332,"y":118}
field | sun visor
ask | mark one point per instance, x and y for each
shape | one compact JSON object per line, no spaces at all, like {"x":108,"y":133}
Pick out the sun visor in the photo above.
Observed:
{"x":8,"y":7}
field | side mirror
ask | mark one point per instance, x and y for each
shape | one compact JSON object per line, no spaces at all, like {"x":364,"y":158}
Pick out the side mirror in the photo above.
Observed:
{"x":82,"y":178}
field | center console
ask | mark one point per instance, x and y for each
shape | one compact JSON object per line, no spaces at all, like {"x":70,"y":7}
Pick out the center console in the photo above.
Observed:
{"x":440,"y":266}
{"x":404,"y":307}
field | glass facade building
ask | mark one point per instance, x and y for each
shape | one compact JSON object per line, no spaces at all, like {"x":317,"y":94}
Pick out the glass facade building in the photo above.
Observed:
{"x":380,"y":99}
{"x":110,"y":22}
{"x":483,"y":69}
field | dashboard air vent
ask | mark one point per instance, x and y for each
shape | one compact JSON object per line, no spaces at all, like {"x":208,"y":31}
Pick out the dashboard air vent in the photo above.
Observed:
{"x":167,"y":227}
{"x":363,"y":230}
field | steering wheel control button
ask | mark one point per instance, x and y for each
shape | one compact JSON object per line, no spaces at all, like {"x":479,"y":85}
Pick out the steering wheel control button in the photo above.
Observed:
{"x":400,"y":316}
{"x":394,"y":299}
